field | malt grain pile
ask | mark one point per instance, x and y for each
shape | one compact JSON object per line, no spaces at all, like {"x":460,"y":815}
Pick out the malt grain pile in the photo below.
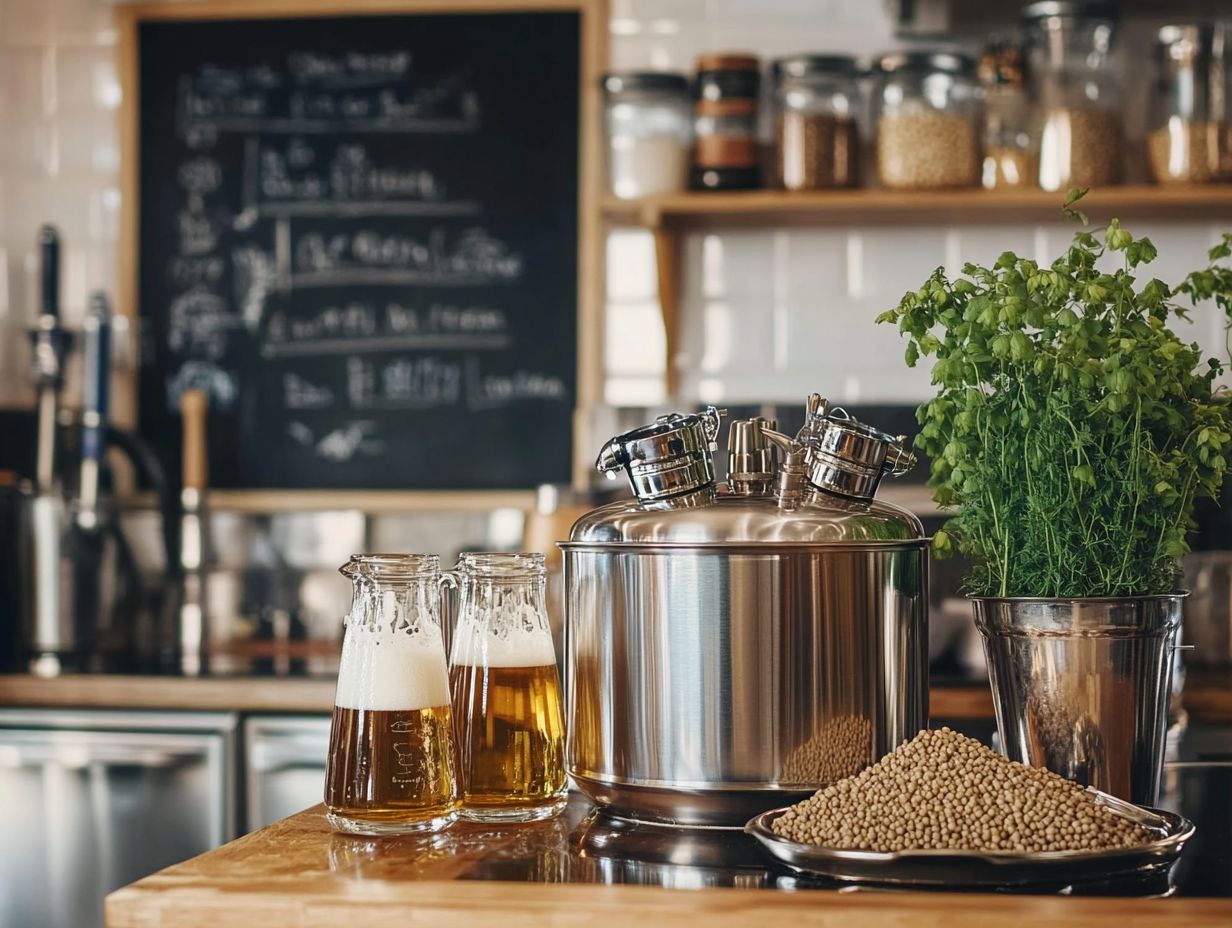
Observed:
{"x":947,"y":791}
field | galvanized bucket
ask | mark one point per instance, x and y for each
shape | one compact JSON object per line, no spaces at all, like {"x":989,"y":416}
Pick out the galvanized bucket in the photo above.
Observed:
{"x":1081,"y":686}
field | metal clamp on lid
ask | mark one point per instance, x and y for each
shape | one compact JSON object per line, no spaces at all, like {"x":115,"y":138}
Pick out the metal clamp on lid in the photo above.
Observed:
{"x":847,"y":457}
{"x":670,"y":458}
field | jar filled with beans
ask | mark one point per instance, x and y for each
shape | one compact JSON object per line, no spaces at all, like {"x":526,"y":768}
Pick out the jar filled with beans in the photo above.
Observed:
{"x":1187,"y":140}
{"x":816,"y":139}
{"x":927,"y":110}
{"x":1075,"y":82}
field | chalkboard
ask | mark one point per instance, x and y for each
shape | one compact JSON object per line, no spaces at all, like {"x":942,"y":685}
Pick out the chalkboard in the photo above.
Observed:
{"x":359,"y":234}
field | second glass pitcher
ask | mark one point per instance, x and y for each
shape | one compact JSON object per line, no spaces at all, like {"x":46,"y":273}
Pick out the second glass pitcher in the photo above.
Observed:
{"x":506,"y":691}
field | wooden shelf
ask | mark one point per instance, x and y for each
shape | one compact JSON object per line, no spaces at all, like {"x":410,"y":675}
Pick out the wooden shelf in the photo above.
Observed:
{"x":666,"y":216}
{"x":775,"y":207}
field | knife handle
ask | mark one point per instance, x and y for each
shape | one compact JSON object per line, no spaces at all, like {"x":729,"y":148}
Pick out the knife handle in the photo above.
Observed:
{"x":97,"y":376}
{"x":192,"y":408}
{"x":49,"y":253}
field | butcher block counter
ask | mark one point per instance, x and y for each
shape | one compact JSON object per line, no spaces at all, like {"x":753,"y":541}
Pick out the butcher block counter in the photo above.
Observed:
{"x":584,"y":869}
{"x":1208,"y":698}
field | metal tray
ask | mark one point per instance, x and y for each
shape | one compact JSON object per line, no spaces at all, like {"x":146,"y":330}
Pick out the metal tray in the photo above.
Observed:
{"x":986,"y":869}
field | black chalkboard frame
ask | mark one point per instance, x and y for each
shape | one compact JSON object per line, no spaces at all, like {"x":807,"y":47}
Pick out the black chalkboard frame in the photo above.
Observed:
{"x":593,"y":15}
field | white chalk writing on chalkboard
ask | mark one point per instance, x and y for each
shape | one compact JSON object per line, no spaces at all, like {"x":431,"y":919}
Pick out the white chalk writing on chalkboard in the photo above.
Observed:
{"x":198,"y":323}
{"x":189,"y":270}
{"x":353,"y":92}
{"x":366,"y":256}
{"x":402,"y":383}
{"x":201,"y":175}
{"x":217,"y":383}
{"x":300,"y":393}
{"x":339,"y":444}
{"x":288,"y":179}
{"x":359,"y":325}
{"x":255,"y":276}
{"x":490,"y":390}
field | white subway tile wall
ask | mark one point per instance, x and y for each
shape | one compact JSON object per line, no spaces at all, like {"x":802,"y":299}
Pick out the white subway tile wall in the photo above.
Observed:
{"x":59,"y":162}
{"x":768,"y":315}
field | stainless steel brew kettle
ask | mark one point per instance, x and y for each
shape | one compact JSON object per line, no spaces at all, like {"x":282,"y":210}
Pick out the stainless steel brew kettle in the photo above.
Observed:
{"x":732,"y":648}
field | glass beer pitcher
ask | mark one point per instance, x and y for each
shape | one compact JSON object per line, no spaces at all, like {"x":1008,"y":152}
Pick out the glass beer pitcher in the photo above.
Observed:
{"x":506,"y":691}
{"x":392,"y":755}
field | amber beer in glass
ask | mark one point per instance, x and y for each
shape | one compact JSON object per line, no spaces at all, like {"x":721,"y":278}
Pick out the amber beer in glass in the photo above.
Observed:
{"x":506,"y":691}
{"x":392,"y":754}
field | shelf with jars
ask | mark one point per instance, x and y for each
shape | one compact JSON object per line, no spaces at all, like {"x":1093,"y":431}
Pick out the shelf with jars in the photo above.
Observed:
{"x":667,"y":216}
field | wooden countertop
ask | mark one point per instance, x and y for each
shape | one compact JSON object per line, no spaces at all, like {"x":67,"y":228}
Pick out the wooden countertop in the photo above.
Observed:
{"x":288,"y":694}
{"x":1208,"y":699}
{"x":298,"y":873}
{"x":109,"y":691}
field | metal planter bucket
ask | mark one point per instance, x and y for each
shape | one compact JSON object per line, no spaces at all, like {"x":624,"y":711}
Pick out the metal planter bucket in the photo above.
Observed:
{"x":1081,"y":685}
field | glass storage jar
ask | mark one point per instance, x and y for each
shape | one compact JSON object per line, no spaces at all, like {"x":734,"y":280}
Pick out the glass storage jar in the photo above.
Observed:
{"x":816,"y":137}
{"x":927,"y":109}
{"x":1188,"y":135}
{"x":1009,"y":147}
{"x":648,"y":132}
{"x":1075,"y":85}
{"x":725,"y":123}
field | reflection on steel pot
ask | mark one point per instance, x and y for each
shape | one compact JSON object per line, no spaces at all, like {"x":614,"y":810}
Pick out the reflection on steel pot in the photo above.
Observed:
{"x":1081,"y":685}
{"x":732,"y":649}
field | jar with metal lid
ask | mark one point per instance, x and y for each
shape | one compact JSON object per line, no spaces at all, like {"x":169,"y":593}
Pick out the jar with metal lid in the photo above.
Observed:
{"x":648,"y":132}
{"x":1076,"y":89}
{"x":1188,"y":136}
{"x":1009,"y":146}
{"x":816,"y":138}
{"x":927,"y":110}
{"x":725,"y":123}
{"x":733,"y":648}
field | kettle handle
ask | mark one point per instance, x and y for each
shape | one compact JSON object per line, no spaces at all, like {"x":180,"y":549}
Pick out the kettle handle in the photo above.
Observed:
{"x":898,"y":459}
{"x":611,"y":459}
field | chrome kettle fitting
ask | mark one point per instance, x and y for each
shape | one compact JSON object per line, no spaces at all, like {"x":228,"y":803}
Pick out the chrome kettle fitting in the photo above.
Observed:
{"x":669,"y":459}
{"x":847,"y":457}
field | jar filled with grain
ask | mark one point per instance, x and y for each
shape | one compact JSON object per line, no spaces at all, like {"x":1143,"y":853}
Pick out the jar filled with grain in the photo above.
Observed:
{"x":1075,"y":83}
{"x":725,"y":93}
{"x":816,"y":139}
{"x":1009,"y":146}
{"x":927,"y":110}
{"x":649,"y":130}
{"x":1187,"y":139}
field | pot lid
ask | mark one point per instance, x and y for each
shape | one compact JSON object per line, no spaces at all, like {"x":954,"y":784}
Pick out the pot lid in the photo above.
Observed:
{"x":739,"y":521}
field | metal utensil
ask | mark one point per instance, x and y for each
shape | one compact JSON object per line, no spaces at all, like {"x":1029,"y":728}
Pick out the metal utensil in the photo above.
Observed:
{"x":52,"y":633}
{"x":986,"y":869}
{"x":86,"y":540}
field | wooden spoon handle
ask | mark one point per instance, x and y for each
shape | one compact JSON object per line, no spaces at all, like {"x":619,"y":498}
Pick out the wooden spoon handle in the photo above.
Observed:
{"x":192,"y":408}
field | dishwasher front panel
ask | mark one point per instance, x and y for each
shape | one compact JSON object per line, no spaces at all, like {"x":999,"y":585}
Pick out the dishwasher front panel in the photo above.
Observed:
{"x":101,"y":802}
{"x":285,"y":766}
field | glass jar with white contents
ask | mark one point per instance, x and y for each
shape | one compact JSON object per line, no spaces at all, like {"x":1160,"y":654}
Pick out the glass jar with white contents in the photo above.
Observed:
{"x":649,"y":118}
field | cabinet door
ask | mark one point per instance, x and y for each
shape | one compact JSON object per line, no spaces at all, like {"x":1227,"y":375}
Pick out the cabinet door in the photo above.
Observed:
{"x":86,"y":812}
{"x":286,"y":766}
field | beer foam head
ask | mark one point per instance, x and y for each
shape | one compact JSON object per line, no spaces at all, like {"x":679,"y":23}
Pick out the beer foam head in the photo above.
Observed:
{"x":391,"y":672}
{"x":475,"y":645}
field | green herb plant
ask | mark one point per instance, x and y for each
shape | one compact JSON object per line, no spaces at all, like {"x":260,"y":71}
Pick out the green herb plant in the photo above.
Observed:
{"x":1072,"y":426}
